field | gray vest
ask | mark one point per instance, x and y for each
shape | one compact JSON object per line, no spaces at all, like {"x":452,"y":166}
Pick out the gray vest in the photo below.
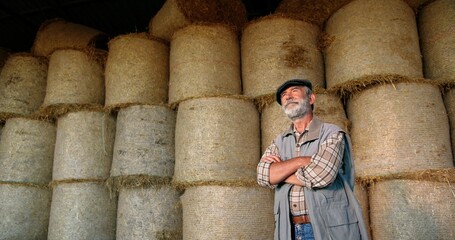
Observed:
{"x":334,"y":210}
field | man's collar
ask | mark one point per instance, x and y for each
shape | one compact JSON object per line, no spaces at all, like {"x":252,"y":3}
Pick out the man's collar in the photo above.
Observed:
{"x":314,"y":128}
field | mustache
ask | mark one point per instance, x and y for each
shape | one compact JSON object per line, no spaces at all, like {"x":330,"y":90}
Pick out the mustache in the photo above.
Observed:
{"x":291,"y":102}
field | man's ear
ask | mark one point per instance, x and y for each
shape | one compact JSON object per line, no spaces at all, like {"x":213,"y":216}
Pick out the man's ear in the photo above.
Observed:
{"x":312,"y":98}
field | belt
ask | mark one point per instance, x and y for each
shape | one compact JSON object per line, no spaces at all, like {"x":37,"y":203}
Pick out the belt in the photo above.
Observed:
{"x":302,"y":219}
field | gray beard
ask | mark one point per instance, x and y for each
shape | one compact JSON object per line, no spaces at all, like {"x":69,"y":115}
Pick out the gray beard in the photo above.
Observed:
{"x":299,"y":111}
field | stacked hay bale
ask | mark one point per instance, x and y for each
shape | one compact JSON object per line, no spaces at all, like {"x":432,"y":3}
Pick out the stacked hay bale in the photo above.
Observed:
{"x":137,"y":71}
{"x":175,"y":14}
{"x":216,"y":137}
{"x":374,"y":61}
{"x":57,"y":33}
{"x":81,"y":203}
{"x":26,"y":153}
{"x":137,"y":77}
{"x":22,"y":85}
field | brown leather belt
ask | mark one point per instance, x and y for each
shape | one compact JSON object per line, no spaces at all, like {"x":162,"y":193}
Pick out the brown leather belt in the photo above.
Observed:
{"x":302,"y":219}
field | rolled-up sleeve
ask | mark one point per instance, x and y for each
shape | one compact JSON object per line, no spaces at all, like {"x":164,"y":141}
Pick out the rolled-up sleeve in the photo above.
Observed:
{"x":324,"y":164}
{"x":263,"y":168}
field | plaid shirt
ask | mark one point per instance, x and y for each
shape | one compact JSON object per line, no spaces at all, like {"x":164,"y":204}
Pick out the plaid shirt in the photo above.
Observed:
{"x":319,"y":173}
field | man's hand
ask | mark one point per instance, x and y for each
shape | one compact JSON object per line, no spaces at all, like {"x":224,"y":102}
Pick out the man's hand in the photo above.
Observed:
{"x":271,"y":159}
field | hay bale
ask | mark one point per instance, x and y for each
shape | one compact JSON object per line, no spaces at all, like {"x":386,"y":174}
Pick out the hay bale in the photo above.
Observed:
{"x":74,"y":77}
{"x":385,"y":123}
{"x":449,"y":101}
{"x":57,"y":33}
{"x":84,"y":144}
{"x":22,"y":85}
{"x":82,"y":210}
{"x":24,"y":211}
{"x":4,"y":54}
{"x":149,"y":213}
{"x":277,"y":48}
{"x":27,"y":151}
{"x":204,"y":60}
{"x":241,"y":217}
{"x":361,"y":193}
{"x":216,"y":140}
{"x":412,"y":209}
{"x":233,"y":12}
{"x":144,"y":142}
{"x":372,"y":37}
{"x":137,"y":70}
{"x":437,"y":33}
{"x":175,"y":14}
{"x":328,"y":107}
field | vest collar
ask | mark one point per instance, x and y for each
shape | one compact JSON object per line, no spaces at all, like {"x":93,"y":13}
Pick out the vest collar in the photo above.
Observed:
{"x":313,"y":129}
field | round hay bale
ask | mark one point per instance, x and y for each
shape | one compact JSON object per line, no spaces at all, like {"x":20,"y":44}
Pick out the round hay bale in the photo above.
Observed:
{"x":449,"y":101}
{"x":437,"y":33}
{"x":22,"y":85}
{"x":82,"y":210}
{"x":144,"y":142}
{"x":385,"y":121}
{"x":57,"y":33}
{"x":204,"y":60}
{"x":361,"y":193}
{"x":203,"y":206}
{"x":216,"y":140}
{"x":27,"y":151}
{"x":74,"y":77}
{"x":412,"y":209}
{"x":233,"y":12}
{"x":276,"y":49}
{"x":149,"y":213}
{"x":372,"y":37}
{"x":328,"y":107}
{"x":24,"y":211}
{"x":84,"y":145}
{"x":175,"y":14}
{"x":137,"y":70}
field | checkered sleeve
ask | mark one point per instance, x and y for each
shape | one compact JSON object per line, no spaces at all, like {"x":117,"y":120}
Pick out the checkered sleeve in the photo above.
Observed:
{"x":324,"y":164}
{"x":263,"y":168}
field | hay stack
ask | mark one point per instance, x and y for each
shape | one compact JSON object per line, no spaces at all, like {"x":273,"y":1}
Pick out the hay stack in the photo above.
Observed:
{"x":277,"y":48}
{"x":175,"y":14}
{"x":57,"y":33}
{"x":328,"y":107}
{"x":217,"y":141}
{"x":204,"y":60}
{"x":203,"y":207}
{"x":386,"y":121}
{"x":27,"y":151}
{"x":24,"y":211}
{"x":137,"y":70}
{"x":437,"y":32}
{"x":82,"y":210}
{"x":153,"y":213}
{"x":4,"y":54}
{"x":22,"y":85}
{"x":412,"y":209}
{"x":144,"y":142}
{"x":84,"y":144}
{"x":372,"y":37}
{"x":75,"y":77}
{"x":449,"y":101}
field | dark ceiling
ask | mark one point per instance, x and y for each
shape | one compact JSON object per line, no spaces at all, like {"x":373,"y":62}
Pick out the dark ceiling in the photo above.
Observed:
{"x":21,"y":19}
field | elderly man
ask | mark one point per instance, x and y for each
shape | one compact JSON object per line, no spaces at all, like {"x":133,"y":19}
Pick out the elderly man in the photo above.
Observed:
{"x":311,"y":169}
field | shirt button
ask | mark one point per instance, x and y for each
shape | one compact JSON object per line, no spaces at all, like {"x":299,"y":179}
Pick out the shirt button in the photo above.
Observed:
{"x":294,"y":205}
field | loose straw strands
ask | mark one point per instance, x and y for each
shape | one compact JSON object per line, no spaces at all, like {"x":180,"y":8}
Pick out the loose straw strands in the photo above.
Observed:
{"x":57,"y":33}
{"x":137,"y":71}
{"x":204,"y":60}
{"x":372,"y":37}
{"x":277,"y":48}
{"x":437,"y":32}
{"x":22,"y":85}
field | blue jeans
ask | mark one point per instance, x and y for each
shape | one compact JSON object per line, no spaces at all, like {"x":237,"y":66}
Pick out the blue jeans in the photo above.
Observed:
{"x":303,"y":232}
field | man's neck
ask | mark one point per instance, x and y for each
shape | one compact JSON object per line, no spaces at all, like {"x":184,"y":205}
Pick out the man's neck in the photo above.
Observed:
{"x":302,"y":123}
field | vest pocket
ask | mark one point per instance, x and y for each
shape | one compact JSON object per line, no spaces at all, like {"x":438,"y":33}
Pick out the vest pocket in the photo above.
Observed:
{"x":342,"y":223}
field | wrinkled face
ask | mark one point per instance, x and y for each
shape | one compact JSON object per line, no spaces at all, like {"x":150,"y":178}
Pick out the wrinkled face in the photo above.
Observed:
{"x":295,"y":102}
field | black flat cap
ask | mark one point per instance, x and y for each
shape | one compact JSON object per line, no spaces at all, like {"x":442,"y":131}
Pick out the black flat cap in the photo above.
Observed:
{"x":290,"y":83}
